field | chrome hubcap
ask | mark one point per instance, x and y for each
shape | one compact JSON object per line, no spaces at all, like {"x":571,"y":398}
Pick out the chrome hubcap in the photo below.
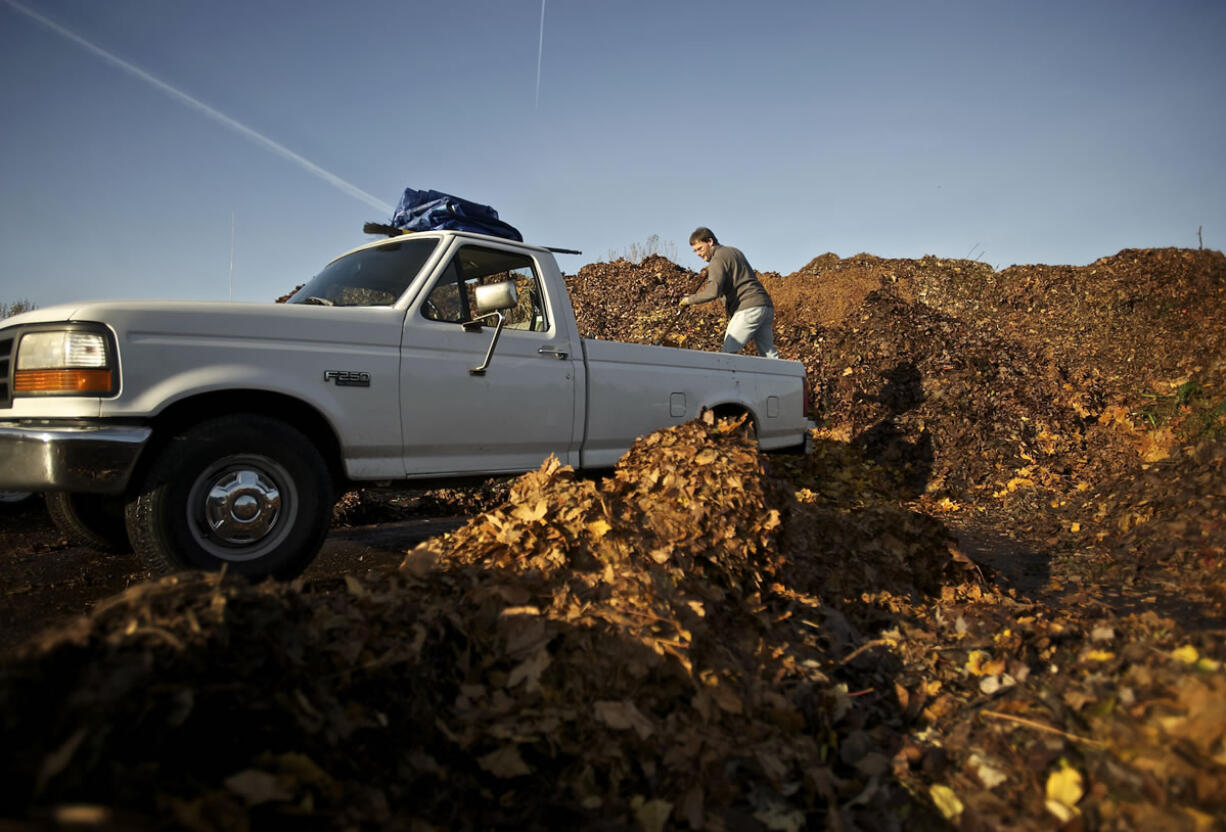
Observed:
{"x":242,"y":507}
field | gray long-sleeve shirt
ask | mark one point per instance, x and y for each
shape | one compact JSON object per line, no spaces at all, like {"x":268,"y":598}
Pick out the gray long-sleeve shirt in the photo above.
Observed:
{"x":730,"y":276}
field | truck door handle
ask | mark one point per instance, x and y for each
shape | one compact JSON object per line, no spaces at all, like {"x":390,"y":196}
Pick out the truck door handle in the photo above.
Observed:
{"x":561,"y":355}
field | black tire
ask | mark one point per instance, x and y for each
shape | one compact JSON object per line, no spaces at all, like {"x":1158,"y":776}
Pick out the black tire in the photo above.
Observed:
{"x":91,"y":520}
{"x":247,"y":492}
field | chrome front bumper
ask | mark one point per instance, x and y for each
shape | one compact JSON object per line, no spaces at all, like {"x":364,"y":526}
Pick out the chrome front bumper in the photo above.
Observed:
{"x":96,"y":459}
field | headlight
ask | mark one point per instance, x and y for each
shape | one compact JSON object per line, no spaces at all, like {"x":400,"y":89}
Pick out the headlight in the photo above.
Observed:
{"x":61,"y":349}
{"x":63,"y":361}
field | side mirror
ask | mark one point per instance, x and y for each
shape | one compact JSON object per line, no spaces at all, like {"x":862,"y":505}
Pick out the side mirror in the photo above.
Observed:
{"x":491,"y":300}
{"x":496,"y":297}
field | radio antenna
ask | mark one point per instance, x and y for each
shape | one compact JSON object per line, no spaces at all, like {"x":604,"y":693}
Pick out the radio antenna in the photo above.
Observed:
{"x":231,"y":255}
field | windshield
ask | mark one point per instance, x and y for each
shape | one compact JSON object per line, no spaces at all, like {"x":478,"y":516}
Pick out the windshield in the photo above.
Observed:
{"x":370,"y":277}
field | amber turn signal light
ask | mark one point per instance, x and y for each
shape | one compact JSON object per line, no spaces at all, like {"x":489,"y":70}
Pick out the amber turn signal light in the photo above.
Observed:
{"x":62,"y":381}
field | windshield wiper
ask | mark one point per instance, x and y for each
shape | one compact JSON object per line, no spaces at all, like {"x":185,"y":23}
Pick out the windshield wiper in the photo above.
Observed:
{"x":317,"y":301}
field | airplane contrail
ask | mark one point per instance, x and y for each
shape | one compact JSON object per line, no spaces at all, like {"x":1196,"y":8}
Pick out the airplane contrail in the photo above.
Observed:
{"x":540,"y":50}
{"x":259,"y":138}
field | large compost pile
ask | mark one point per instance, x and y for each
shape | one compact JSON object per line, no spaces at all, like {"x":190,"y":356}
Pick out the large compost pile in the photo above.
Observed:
{"x":993,"y":598}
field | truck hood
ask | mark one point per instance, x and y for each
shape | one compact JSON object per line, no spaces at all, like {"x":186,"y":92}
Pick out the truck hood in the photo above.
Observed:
{"x":279,"y":321}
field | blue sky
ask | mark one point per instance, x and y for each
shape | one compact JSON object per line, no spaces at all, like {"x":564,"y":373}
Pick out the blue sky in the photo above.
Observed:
{"x":135,"y":134}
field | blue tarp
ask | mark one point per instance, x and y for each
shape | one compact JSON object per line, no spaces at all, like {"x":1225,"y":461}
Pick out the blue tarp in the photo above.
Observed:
{"x":434,"y":210}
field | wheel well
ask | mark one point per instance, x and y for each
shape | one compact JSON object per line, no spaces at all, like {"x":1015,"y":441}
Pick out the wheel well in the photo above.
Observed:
{"x":735,"y":411}
{"x":187,"y":412}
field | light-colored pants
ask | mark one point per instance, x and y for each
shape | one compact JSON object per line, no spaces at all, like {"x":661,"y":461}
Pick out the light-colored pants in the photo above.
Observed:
{"x":753,"y":324}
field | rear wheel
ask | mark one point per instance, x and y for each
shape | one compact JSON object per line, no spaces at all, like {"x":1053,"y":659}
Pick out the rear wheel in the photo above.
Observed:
{"x":91,"y":520}
{"x":247,"y":492}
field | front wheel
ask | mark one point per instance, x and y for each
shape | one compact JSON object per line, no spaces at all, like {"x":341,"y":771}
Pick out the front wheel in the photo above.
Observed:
{"x":247,"y":492}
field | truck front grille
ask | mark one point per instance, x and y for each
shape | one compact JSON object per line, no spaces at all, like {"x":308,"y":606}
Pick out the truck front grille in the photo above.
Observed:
{"x":6,"y":371}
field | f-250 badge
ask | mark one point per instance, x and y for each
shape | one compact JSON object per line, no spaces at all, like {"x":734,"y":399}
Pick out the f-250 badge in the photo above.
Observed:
{"x":348,"y":378}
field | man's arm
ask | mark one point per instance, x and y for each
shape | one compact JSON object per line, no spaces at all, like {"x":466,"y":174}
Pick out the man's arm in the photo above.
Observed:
{"x":711,"y":290}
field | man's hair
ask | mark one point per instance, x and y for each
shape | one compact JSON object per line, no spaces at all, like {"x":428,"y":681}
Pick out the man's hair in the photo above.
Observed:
{"x":703,"y":233}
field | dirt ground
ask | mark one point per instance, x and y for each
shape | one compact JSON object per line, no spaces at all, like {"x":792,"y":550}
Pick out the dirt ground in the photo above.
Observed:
{"x":993,"y":598}
{"x":47,"y":581}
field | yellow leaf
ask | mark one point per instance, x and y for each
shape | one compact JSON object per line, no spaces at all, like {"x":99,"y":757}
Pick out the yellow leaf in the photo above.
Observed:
{"x":530,"y":514}
{"x":946,"y":801}
{"x":975,"y":662}
{"x":1099,"y":655}
{"x":1186,"y":654}
{"x":1076,"y":527}
{"x":1064,"y":789}
{"x":598,"y":528}
{"x":804,"y":495}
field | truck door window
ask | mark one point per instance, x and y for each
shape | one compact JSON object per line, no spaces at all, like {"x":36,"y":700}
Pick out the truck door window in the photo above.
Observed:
{"x":446,"y":302}
{"x":453,"y":297}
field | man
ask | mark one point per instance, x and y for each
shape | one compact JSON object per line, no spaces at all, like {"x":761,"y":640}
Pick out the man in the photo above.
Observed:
{"x":749,"y":307}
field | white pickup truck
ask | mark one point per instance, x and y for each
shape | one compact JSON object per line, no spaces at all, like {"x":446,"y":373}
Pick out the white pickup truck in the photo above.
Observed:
{"x":210,"y":434}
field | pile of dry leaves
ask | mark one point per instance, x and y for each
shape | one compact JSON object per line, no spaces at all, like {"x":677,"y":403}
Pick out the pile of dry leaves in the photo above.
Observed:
{"x":638,"y":652}
{"x":710,"y":639}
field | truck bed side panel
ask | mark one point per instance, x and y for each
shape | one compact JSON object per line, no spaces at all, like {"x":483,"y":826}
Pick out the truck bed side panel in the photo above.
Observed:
{"x":634,"y":389}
